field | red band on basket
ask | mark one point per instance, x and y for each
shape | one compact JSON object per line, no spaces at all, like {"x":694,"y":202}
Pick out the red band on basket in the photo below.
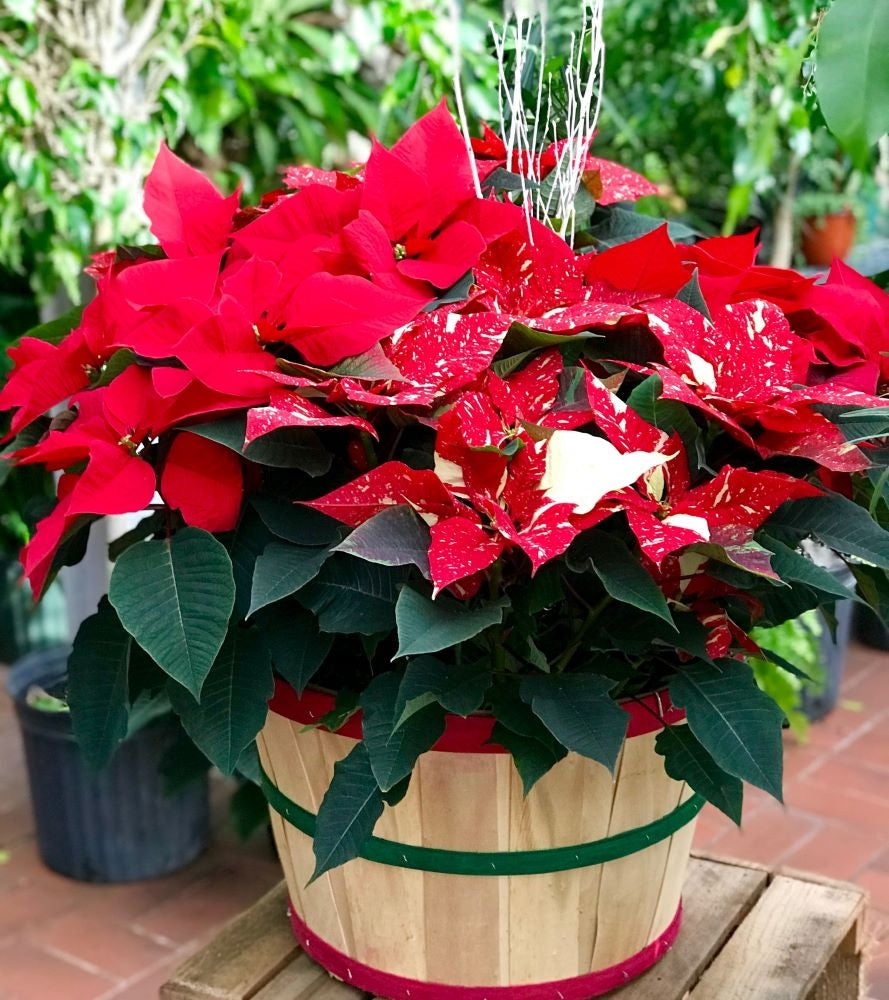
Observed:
{"x":469,"y":735}
{"x":384,"y":984}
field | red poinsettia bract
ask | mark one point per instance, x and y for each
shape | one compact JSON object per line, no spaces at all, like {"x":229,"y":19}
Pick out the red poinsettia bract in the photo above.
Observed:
{"x":675,"y":394}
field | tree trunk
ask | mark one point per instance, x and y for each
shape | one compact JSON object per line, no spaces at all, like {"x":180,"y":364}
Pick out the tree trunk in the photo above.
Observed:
{"x":783,"y":237}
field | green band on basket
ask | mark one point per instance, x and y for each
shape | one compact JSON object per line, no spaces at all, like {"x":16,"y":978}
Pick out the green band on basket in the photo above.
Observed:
{"x":554,"y":859}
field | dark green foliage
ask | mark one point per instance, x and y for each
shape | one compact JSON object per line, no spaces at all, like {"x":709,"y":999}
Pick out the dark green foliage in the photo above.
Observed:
{"x":232,"y":706}
{"x":738,"y":725}
{"x":187,"y":580}
{"x":685,"y":759}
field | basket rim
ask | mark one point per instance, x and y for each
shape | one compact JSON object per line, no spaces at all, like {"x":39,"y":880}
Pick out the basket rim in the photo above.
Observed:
{"x":470,"y":734}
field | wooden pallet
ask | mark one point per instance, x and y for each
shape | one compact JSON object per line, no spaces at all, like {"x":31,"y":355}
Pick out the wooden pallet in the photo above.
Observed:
{"x":747,"y":934}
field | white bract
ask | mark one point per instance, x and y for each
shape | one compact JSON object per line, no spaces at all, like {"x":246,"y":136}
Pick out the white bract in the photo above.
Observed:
{"x":581,"y":469}
{"x":691,"y":522}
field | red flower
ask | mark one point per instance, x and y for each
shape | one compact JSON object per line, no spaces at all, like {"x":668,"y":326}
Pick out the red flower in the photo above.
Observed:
{"x":115,"y":480}
{"x":385,"y":486}
{"x":204,"y":481}
{"x":44,"y":376}
{"x":37,"y":556}
{"x":646,"y":268}
{"x":188,"y":215}
{"x":286,"y":409}
{"x":741,"y":370}
{"x":421,"y":193}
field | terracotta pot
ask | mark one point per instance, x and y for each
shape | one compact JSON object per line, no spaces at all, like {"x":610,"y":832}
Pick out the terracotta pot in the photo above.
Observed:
{"x":829,"y":237}
{"x":602,"y":862}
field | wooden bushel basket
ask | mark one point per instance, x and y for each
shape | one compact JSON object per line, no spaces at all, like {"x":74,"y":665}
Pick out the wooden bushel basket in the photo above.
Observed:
{"x":608,"y":857}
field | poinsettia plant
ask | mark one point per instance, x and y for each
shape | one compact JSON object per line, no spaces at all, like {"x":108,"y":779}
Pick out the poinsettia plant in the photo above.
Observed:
{"x":395,"y":437}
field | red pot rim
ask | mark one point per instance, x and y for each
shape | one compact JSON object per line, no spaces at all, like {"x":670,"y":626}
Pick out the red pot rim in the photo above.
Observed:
{"x":462,"y":735}
{"x":386,"y":984}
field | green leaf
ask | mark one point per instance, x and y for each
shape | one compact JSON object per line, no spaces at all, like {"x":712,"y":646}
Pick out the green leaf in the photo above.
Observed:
{"x":174,"y":596}
{"x":394,"y":749}
{"x":117,"y":363}
{"x":147,"y":526}
{"x":621,"y":573}
{"x":578,"y":710}
{"x":543,"y":590}
{"x":612,"y":225}
{"x":350,"y":595}
{"x":502,"y":179}
{"x":234,"y":699}
{"x":55,"y":331}
{"x":248,"y":810}
{"x":738,"y":725}
{"x":182,"y":763}
{"x":248,"y":763}
{"x":397,"y":792}
{"x":522,"y":338}
{"x":297,"y":524}
{"x":531,"y":757}
{"x":874,"y":587}
{"x":426,"y":626}
{"x":344,"y":707}
{"x":458,"y":688}
{"x":666,"y":414}
{"x":284,"y":448}
{"x":850,"y":72}
{"x":739,"y":552}
{"x":685,"y":759}
{"x":298,"y":648}
{"x":147,"y":707}
{"x":281,"y":570}
{"x":245,"y":546}
{"x":633,"y":632}
{"x":506,"y":366}
{"x":98,"y":692}
{"x":372,"y":364}
{"x":791,"y":565}
{"x":394,"y":537}
{"x":838,"y":523}
{"x":458,"y":292}
{"x":862,"y":425}
{"x":691,"y":295}
{"x":348,"y":812}
{"x":508,"y":709}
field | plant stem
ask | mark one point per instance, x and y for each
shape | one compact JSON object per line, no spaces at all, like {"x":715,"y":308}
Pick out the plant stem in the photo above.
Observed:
{"x":370,"y":452}
{"x":589,"y":621}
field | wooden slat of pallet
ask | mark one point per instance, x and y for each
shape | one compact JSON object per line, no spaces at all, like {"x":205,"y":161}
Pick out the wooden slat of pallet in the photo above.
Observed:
{"x":716,"y":898}
{"x":795,"y":938}
{"x":302,"y":977}
{"x":249,"y":952}
{"x":784,"y":947}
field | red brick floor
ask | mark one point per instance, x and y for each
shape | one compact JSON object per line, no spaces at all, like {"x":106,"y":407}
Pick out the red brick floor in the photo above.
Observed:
{"x":62,"y":940}
{"x":65,"y":940}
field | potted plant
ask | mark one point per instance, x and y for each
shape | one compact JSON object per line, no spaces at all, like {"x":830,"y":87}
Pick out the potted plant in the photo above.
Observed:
{"x":448,"y":472}
{"x":118,"y":823}
{"x":828,"y":204}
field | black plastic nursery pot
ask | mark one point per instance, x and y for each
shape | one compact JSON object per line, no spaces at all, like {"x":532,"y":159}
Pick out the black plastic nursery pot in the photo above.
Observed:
{"x":115,"y":826}
{"x":818,"y":703}
{"x":868,"y":629}
{"x":24,"y":625}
